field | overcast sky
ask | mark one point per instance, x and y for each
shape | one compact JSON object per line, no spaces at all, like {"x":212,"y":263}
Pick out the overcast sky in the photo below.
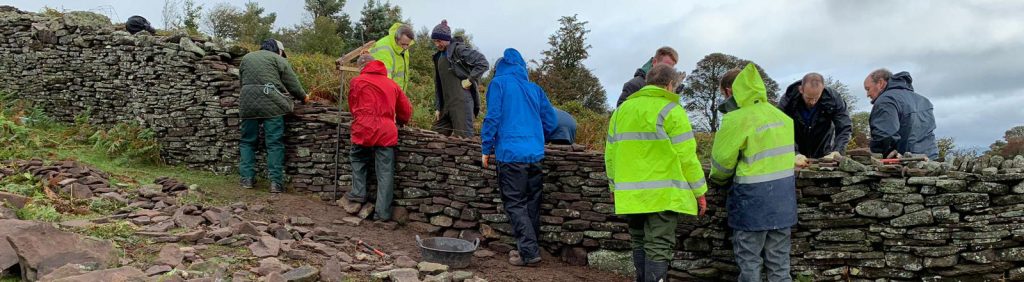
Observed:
{"x":966,"y":56}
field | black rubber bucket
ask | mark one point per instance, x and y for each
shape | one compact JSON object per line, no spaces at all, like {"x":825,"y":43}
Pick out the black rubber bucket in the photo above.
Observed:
{"x":455,"y":253}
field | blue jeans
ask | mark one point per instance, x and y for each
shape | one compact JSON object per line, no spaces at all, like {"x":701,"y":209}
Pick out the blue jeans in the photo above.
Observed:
{"x":770,"y":248}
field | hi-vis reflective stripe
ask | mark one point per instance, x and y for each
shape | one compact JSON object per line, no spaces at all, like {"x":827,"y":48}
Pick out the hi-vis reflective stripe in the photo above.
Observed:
{"x":764,"y":177}
{"x":658,"y":184}
{"x":634,"y":136}
{"x":390,"y":52}
{"x":682,"y":137}
{"x":769,"y":153}
{"x":720,"y":167}
{"x":769,"y":126}
{"x":651,"y":136}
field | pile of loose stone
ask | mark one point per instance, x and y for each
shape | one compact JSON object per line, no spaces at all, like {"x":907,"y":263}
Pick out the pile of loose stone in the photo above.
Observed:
{"x":185,"y":230}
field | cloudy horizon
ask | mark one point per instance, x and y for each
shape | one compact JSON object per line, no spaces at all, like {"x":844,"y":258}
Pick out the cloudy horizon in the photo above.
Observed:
{"x":963,"y":55}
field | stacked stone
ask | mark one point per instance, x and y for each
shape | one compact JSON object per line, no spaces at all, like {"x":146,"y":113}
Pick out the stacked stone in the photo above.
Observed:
{"x":858,"y":222}
{"x":989,"y":165}
{"x":444,"y":190}
{"x":184,"y":88}
{"x":859,"y":218}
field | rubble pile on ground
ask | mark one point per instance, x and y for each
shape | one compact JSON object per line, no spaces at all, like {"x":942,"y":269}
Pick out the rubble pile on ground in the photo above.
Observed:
{"x":166,"y":214}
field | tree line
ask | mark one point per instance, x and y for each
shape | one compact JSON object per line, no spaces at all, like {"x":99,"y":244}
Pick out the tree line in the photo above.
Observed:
{"x":561,"y":71}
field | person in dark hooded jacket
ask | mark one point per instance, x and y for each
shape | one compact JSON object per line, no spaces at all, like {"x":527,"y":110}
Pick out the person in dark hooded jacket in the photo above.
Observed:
{"x":519,"y":118}
{"x":565,"y":133}
{"x":664,"y":55}
{"x":820,"y":117}
{"x":901,"y":120}
{"x":135,"y":24}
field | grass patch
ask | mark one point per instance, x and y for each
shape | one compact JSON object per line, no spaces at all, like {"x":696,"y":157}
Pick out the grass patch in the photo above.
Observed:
{"x":105,"y":206}
{"x":127,"y":144}
{"x":39,"y":211}
{"x":116,"y":231}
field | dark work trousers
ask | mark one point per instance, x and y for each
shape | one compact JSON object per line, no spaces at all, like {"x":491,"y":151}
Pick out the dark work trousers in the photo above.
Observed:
{"x":521,"y":185}
{"x":384,"y":160}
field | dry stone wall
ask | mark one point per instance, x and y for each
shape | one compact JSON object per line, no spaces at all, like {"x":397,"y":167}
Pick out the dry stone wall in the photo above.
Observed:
{"x":859,"y":220}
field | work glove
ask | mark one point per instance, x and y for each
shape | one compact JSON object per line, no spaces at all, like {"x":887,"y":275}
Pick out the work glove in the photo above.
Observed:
{"x":466,"y":84}
{"x":835,"y":156}
{"x":800,"y":161}
{"x":702,"y":205}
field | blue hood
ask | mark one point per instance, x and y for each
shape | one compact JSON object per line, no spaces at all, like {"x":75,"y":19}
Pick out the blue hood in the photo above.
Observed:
{"x":511,"y":63}
{"x":519,"y":115}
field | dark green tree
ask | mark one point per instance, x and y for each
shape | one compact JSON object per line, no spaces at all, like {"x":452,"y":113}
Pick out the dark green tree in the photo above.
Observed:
{"x":331,"y":9}
{"x":377,"y":19}
{"x":702,"y":96}
{"x":322,"y":38}
{"x":562,"y":72}
{"x":253,"y":25}
{"x":192,"y":13}
{"x":222,"y":21}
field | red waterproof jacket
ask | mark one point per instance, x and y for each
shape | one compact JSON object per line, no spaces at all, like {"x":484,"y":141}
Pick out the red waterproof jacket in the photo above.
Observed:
{"x":377,"y":105}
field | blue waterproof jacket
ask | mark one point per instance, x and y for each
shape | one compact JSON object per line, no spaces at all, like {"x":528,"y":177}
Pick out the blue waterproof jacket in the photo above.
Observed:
{"x":565,"y":133}
{"x":519,"y":115}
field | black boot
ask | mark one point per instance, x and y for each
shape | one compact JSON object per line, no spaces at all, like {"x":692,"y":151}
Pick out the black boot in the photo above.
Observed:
{"x":639,"y":261}
{"x":656,"y":271}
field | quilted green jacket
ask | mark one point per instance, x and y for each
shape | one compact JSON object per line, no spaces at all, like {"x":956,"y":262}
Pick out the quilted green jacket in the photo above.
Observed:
{"x":267,"y":81}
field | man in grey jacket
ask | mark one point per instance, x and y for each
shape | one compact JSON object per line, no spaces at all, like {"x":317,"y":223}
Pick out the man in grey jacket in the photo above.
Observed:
{"x":901,"y":120}
{"x":458,"y":68}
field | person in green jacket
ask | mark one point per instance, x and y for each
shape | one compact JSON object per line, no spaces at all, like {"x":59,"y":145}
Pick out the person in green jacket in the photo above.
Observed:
{"x":393,"y":51}
{"x":653,"y":170}
{"x":753,"y":157}
{"x":269,"y":86}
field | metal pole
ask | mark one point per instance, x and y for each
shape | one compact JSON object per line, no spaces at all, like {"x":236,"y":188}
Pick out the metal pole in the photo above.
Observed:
{"x":337,"y":141}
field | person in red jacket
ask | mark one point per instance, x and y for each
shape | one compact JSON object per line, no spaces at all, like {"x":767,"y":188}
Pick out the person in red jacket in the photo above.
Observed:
{"x":378,"y":106}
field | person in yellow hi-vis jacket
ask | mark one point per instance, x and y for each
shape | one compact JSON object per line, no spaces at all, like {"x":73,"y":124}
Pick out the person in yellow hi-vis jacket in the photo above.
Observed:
{"x":753,"y":155}
{"x":393,"y":50}
{"x":653,"y":170}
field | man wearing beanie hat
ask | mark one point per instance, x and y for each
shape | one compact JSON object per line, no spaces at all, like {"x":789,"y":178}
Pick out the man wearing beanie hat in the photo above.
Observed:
{"x":458,"y":68}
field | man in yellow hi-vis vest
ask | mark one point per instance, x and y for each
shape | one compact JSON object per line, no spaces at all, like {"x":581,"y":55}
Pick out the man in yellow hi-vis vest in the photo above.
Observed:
{"x":653,"y":171}
{"x":753,"y":156}
{"x":393,"y":50}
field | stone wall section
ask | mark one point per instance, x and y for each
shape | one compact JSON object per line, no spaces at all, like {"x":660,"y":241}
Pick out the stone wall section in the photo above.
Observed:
{"x":859,"y":219}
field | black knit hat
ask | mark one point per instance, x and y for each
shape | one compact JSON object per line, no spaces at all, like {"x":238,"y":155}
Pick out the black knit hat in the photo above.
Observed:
{"x":442,"y":31}
{"x":273,"y":46}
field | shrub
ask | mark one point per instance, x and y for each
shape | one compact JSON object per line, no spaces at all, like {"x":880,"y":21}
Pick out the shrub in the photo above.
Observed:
{"x":318,"y":75}
{"x":105,"y":206}
{"x":127,"y":143}
{"x":39,"y":212}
